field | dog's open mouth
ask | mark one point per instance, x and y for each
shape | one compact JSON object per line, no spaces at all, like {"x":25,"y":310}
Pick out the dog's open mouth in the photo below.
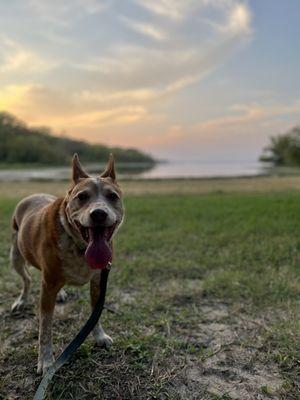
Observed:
{"x":98,"y":252}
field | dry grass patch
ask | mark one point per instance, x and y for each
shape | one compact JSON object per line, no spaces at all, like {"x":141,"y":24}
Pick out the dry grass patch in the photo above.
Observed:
{"x":169,"y":186}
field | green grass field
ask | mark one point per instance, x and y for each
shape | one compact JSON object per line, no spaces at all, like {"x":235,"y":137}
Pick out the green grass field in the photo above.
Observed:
{"x":203,"y":302}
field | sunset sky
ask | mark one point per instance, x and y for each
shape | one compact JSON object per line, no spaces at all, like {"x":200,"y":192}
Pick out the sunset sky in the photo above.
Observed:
{"x":181,"y":79}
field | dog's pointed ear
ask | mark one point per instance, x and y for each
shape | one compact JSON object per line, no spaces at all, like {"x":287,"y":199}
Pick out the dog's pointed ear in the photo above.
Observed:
{"x":110,"y":171}
{"x":77,"y":170}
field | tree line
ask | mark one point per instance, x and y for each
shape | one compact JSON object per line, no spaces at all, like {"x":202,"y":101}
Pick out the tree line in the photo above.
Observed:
{"x":22,"y":144}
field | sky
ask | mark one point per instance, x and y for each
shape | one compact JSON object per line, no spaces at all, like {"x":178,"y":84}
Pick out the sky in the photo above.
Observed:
{"x":181,"y":79}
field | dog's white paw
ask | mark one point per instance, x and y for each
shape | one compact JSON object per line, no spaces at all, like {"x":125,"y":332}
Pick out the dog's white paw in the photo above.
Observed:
{"x":19,"y":304}
{"x":43,"y":365}
{"x":104,"y":340}
{"x":61,"y":296}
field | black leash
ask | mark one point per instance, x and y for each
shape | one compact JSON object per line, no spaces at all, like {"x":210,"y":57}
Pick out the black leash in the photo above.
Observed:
{"x":78,"y":340}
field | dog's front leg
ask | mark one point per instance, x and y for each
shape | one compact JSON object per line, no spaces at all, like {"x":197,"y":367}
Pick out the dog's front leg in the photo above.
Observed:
{"x":102,"y":339}
{"x":47,"y":304}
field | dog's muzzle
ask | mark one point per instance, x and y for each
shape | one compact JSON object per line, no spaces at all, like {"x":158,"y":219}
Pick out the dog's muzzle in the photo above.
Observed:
{"x":98,"y":253}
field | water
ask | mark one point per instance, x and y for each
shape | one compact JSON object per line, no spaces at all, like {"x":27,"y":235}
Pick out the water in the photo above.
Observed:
{"x":188,"y":169}
{"x":172,"y":169}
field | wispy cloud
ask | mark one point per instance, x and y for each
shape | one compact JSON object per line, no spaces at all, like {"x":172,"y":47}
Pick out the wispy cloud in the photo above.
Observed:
{"x":64,"y":12}
{"x":16,"y":58}
{"x":59,"y":110}
{"x":146,"y":29}
{"x":172,"y":9}
{"x":234,"y":16}
{"x":238,"y":20}
{"x":245,"y":114}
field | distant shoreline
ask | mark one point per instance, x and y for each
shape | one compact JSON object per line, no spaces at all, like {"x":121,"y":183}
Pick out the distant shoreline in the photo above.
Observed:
{"x":28,"y":166}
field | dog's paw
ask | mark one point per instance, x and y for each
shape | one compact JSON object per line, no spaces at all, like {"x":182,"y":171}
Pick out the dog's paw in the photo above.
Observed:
{"x":19,"y":304}
{"x":43,"y":365}
{"x":61,"y":296}
{"x":104,"y":340}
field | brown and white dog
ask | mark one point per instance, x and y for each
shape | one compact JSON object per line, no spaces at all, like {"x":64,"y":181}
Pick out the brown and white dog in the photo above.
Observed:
{"x":69,"y":240}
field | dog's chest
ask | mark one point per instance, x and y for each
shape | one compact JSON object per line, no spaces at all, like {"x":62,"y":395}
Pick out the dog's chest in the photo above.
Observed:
{"x":75,"y":269}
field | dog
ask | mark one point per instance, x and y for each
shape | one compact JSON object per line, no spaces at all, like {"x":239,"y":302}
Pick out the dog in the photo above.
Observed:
{"x":69,"y":239}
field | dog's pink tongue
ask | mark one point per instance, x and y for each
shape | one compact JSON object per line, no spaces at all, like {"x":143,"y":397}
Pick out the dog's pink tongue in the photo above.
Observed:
{"x":98,"y":253}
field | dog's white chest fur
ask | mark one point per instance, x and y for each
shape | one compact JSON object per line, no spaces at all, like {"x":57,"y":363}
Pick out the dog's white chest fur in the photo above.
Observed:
{"x":75,"y":268}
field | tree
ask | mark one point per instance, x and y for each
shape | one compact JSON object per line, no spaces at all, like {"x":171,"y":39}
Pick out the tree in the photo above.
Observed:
{"x":284,"y":149}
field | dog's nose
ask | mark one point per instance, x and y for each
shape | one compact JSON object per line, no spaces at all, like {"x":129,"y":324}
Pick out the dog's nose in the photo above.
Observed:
{"x":98,"y":215}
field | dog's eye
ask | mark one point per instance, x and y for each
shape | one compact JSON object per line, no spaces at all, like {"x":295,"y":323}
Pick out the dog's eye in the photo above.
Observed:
{"x":113,"y":196}
{"x":83,"y":196}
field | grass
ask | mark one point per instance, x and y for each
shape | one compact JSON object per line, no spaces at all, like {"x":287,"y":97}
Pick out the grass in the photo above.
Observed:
{"x":176,"y":256}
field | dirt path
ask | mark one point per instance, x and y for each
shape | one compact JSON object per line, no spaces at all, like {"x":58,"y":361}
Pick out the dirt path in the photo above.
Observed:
{"x":234,"y":367}
{"x":232,"y":363}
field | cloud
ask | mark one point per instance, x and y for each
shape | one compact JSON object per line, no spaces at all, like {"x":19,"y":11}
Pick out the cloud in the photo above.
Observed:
{"x":97,"y":119}
{"x":132,"y":96}
{"x":15,"y":58}
{"x":13,"y":96}
{"x":238,"y":20}
{"x":249,"y":114}
{"x":234,"y":15}
{"x":63,"y":13}
{"x":246,"y":114}
{"x":171,"y":9}
{"x":58,"y":110}
{"x":145,"y":29}
{"x":136,"y":67}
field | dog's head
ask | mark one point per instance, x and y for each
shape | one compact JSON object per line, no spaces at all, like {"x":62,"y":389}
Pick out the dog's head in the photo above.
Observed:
{"x":94,"y":210}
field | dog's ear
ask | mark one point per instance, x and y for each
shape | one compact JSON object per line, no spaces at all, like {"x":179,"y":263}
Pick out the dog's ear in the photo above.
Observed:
{"x":77,"y":170}
{"x":110,"y":171}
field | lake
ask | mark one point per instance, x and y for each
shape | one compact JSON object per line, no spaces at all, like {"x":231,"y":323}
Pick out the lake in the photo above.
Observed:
{"x":163,"y":170}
